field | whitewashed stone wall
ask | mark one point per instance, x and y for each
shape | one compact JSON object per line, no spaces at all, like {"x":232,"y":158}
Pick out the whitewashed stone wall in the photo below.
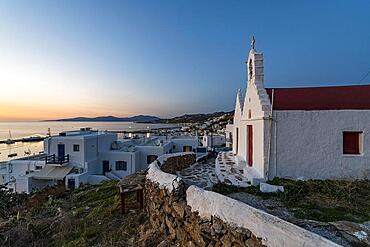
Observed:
{"x":272,"y":230}
{"x":206,"y":217}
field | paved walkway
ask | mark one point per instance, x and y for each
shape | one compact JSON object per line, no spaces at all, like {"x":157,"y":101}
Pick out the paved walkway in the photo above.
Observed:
{"x":224,"y":169}
{"x":199,"y":174}
{"x":229,"y":171}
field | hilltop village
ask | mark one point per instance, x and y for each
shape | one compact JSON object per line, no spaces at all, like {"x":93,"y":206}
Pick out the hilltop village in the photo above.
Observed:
{"x":288,"y":167}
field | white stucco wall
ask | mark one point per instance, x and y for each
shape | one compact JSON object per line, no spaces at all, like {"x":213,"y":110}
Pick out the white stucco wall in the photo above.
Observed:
{"x":236,"y":125}
{"x":27,"y":184}
{"x":51,"y":147}
{"x":229,"y":133}
{"x":181,"y":142}
{"x":164,"y":180}
{"x":90,"y":146}
{"x":81,"y":178}
{"x":144,"y":151}
{"x":213,"y":140}
{"x":273,"y":231}
{"x":310,"y":144}
{"x":113,"y":156}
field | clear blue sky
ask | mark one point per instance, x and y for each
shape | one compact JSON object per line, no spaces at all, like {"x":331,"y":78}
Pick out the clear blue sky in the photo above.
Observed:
{"x":167,"y":58}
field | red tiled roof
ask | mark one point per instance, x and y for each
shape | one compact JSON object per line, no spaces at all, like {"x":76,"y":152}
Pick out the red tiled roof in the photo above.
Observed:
{"x":321,"y":98}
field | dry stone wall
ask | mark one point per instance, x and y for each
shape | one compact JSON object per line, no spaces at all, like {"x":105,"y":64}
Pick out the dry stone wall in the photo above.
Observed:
{"x":178,"y":163}
{"x":191,"y":216}
{"x":170,"y":215}
{"x":174,"y":220}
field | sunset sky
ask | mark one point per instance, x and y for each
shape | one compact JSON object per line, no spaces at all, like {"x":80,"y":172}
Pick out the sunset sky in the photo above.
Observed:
{"x":87,"y":58}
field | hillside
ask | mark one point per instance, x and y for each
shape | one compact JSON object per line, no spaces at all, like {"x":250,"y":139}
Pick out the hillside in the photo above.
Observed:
{"x":89,"y":216}
{"x":198,"y":118}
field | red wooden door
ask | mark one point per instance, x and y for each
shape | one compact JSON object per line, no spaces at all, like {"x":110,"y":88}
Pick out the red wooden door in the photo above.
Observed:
{"x":237,"y":141}
{"x":250,"y":144}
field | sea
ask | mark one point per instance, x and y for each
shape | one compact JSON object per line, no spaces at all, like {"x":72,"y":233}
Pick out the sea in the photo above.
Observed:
{"x":28,"y":129}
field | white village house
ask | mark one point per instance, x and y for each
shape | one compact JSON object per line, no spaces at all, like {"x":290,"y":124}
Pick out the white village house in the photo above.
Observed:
{"x":311,"y":133}
{"x":88,"y":156}
{"x":213,"y":140}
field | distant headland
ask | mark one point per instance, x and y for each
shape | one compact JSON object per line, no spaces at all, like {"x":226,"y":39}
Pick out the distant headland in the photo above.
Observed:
{"x":138,"y":118}
{"x":187,"y":118}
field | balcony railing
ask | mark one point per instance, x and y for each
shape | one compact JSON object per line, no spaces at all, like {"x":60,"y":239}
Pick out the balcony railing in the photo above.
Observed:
{"x":53,"y":159}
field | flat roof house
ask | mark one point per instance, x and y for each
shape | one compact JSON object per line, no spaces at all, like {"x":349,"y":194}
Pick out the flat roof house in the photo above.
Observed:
{"x":87,"y":156}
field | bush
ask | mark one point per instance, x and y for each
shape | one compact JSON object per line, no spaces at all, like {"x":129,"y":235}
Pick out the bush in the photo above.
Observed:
{"x":10,"y":203}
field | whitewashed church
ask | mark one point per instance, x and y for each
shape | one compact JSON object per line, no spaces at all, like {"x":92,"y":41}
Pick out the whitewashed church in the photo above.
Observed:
{"x":311,"y":133}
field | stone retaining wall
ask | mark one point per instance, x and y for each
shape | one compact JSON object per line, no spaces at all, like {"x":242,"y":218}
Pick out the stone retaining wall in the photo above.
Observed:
{"x":174,"y":220}
{"x":170,"y":215}
{"x":178,"y":163}
{"x":195,"y":217}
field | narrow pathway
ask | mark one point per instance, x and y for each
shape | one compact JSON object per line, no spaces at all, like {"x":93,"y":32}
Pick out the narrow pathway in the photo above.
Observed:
{"x":202,"y":175}
{"x":229,"y":171}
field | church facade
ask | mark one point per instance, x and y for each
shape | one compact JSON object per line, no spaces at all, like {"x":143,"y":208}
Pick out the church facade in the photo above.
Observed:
{"x":310,"y":133}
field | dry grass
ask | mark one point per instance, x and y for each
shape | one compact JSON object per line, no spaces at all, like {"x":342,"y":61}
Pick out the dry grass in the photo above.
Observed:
{"x":322,"y":200}
{"x":89,"y":216}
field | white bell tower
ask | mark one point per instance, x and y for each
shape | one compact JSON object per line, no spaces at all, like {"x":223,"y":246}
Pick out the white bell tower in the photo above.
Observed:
{"x":255,"y":66}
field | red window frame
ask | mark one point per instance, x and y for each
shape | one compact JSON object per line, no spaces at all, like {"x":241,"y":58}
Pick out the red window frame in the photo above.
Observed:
{"x":351,"y":142}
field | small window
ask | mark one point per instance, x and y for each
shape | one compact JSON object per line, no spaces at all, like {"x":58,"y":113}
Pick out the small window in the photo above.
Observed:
{"x":76,"y":148}
{"x":249,"y":113}
{"x":121,"y":165}
{"x":187,"y":148}
{"x":352,"y":142}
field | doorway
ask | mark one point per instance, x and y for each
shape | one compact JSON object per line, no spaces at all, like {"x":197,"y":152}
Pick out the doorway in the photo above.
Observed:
{"x":61,"y":152}
{"x":237,"y":141}
{"x":105,"y":166}
{"x":71,"y":183}
{"x":250,"y":144}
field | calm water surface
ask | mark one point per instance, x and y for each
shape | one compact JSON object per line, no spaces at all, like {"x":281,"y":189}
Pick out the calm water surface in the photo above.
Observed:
{"x":26,"y":129}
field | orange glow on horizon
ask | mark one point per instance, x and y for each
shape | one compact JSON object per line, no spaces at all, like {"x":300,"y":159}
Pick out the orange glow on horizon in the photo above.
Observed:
{"x":38,"y":112}
{"x":33,"y":90}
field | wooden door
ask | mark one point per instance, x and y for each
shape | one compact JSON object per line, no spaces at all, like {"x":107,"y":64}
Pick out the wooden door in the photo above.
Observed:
{"x":61,"y":152}
{"x":250,"y":144}
{"x":237,"y":141}
{"x":105,"y":166}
